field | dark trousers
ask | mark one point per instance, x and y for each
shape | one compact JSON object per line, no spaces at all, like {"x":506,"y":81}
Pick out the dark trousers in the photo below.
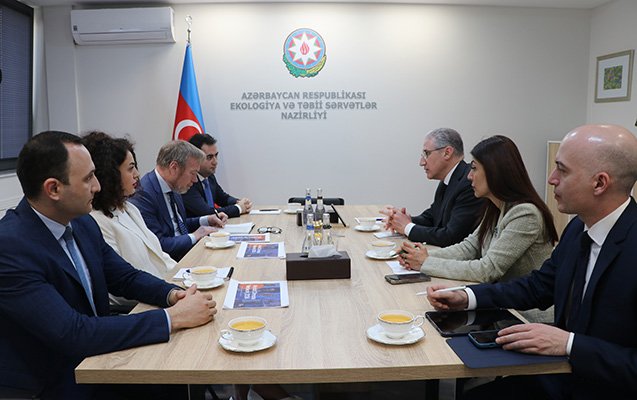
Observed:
{"x":535,"y":387}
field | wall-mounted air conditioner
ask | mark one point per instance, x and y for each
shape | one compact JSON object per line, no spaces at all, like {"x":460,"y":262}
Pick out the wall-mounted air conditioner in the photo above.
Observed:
{"x":123,"y":25}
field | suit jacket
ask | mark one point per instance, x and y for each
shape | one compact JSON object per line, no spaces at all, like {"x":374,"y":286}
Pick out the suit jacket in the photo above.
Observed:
{"x":451,"y":217}
{"x":196,"y":205}
{"x":150,"y":202}
{"x":131,"y":239}
{"x":604,"y":352}
{"x":48,"y":325}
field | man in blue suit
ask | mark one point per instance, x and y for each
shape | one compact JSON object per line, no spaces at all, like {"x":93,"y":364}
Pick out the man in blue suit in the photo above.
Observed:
{"x":161,"y":204}
{"x":455,"y":211}
{"x":206,"y":194}
{"x":56,"y":271}
{"x":591,"y":278}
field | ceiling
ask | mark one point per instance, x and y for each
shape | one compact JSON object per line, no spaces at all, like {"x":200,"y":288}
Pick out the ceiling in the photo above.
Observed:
{"x":582,"y":4}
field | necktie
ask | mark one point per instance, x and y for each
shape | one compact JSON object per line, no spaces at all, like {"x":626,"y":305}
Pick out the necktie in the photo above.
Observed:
{"x":579,"y":278}
{"x":441,"y":190}
{"x":180,"y":223}
{"x":77,"y":261}
{"x":207,"y":192}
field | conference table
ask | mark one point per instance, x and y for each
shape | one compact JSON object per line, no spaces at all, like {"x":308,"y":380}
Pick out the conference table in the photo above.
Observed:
{"x":321,"y":336}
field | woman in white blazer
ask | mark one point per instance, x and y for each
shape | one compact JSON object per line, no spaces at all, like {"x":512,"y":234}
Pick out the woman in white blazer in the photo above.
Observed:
{"x":515,"y":236}
{"x":119,"y":220}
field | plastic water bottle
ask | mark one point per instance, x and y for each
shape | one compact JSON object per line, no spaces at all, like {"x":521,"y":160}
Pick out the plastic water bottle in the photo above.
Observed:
{"x":327,"y":230}
{"x":309,"y":235}
{"x":307,"y":208}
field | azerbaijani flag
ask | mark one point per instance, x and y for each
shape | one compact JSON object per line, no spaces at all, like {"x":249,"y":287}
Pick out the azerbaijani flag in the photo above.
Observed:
{"x":188,"y":118}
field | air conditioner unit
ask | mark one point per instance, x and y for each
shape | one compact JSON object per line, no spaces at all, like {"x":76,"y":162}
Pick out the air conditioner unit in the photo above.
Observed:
{"x":123,"y":26}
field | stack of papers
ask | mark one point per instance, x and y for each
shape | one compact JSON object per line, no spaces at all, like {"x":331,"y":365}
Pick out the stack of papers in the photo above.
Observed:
{"x":238,"y":228}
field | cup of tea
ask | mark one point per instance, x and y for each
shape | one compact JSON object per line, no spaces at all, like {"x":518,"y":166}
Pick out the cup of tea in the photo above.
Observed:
{"x":383,"y":248}
{"x":246,"y":331}
{"x":397,"y":323}
{"x":201,"y":276}
{"x":367,"y":222}
{"x":219,"y":238}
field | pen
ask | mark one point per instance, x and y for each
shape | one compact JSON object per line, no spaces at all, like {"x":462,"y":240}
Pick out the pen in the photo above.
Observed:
{"x":338,"y":215}
{"x":449,"y":289}
{"x":230,"y":273}
{"x":269,"y":209}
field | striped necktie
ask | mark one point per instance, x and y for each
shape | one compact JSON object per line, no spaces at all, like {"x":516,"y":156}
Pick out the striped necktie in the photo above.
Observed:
{"x":180,"y":223}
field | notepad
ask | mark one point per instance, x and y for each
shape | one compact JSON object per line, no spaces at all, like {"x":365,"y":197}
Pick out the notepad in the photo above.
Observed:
{"x":239,"y":228}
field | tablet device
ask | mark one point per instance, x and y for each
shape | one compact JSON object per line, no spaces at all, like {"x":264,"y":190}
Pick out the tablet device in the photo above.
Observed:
{"x":457,"y":323}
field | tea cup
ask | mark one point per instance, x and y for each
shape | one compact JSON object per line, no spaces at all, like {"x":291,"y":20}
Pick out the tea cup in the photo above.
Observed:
{"x":201,"y":275}
{"x":367,"y":222}
{"x":383,"y":248}
{"x":246,"y":331}
{"x":219,"y":238}
{"x":397,"y":323}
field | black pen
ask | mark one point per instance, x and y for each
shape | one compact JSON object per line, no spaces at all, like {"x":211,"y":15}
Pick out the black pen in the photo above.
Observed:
{"x":230,"y":273}
{"x":338,"y":215}
{"x":269,"y":209}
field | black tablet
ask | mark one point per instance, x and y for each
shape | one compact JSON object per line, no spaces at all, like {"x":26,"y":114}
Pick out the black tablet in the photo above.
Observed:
{"x":457,"y":323}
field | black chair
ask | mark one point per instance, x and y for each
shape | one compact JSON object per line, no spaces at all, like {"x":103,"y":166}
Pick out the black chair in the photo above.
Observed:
{"x":337,"y":201}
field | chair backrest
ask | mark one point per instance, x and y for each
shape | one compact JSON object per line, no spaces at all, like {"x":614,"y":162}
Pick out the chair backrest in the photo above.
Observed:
{"x":337,"y":201}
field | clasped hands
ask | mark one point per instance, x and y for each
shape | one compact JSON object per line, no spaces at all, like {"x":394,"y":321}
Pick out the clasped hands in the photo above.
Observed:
{"x":397,"y":219}
{"x":532,"y":338}
{"x":190,"y":308}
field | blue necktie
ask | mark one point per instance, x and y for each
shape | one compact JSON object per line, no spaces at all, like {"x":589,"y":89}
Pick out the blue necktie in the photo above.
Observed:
{"x":207,"y":192}
{"x":77,"y":261}
{"x":180,"y":223}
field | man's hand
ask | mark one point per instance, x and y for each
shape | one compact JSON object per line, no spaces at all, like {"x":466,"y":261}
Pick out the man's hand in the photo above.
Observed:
{"x":192,"y":309}
{"x":534,"y":339}
{"x":220,"y":221}
{"x":245,"y":204}
{"x":398,"y":221}
{"x":447,"y":301}
{"x":412,"y":255}
{"x":203,"y":231}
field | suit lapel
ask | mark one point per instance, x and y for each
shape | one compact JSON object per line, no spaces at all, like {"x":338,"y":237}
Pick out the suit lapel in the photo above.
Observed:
{"x":564,"y":278}
{"x":609,"y":251}
{"x":134,"y":229}
{"x":456,"y":177}
{"x":161,"y":199}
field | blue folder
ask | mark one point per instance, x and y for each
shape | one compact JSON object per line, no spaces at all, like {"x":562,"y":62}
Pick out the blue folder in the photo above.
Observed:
{"x":474,"y":357}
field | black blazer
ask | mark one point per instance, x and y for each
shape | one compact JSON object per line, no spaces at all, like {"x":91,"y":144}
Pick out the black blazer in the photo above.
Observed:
{"x":604,"y":352}
{"x":451,"y":217}
{"x":195,"y":200}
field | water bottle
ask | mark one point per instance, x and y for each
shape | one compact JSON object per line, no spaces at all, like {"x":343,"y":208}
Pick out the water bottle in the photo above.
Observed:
{"x":309,"y":235}
{"x":320,"y":208}
{"x":307,"y":208}
{"x":318,"y":231}
{"x":327,"y":230}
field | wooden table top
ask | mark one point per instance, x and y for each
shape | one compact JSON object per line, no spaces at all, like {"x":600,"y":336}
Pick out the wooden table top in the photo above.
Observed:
{"x":320,"y":337}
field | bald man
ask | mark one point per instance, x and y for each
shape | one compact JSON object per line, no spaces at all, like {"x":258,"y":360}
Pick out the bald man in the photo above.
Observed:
{"x":591,"y":278}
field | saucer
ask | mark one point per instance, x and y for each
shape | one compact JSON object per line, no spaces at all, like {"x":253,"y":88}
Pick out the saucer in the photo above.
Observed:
{"x":267,"y":340}
{"x":225,"y":245}
{"x":372,"y":254}
{"x":362,"y":228}
{"x":215,"y":283}
{"x":292,"y":211}
{"x":377,"y":334}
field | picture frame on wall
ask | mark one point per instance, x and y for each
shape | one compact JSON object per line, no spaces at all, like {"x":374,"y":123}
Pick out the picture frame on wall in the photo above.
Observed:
{"x":614,"y":77}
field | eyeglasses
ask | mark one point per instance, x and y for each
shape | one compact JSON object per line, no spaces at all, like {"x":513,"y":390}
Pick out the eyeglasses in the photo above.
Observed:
{"x":270,"y":229}
{"x":426,"y":153}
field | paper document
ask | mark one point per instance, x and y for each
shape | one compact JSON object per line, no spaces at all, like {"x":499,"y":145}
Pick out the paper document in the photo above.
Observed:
{"x":238,"y":228}
{"x":272,"y":211}
{"x":399,"y":269}
{"x":256,"y":295}
{"x":261,"y":250}
{"x":250,"y":237}
{"x":387,"y":234}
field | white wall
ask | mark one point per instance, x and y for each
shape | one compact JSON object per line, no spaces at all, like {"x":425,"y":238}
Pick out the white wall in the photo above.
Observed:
{"x":613,"y":29}
{"x":482,"y":70}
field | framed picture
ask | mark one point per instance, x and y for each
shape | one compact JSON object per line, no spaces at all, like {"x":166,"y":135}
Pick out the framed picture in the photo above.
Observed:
{"x":614,"y":77}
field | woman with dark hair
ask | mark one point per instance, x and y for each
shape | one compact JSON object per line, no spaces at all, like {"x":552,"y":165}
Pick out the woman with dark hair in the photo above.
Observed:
{"x":120,"y":221}
{"x":516,"y":233}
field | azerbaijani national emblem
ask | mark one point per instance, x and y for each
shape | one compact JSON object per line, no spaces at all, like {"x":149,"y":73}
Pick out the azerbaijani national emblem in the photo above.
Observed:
{"x":304,"y":53}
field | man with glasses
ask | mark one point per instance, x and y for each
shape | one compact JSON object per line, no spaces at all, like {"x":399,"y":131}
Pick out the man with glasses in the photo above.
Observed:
{"x":161,"y":204}
{"x":454,"y":213}
{"x":206,"y":194}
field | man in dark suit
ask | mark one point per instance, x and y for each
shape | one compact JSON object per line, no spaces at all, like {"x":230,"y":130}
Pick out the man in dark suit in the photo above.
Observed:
{"x":455,"y":212}
{"x":206,"y":194}
{"x":56,"y":271}
{"x":161,"y":204}
{"x":591,"y":278}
